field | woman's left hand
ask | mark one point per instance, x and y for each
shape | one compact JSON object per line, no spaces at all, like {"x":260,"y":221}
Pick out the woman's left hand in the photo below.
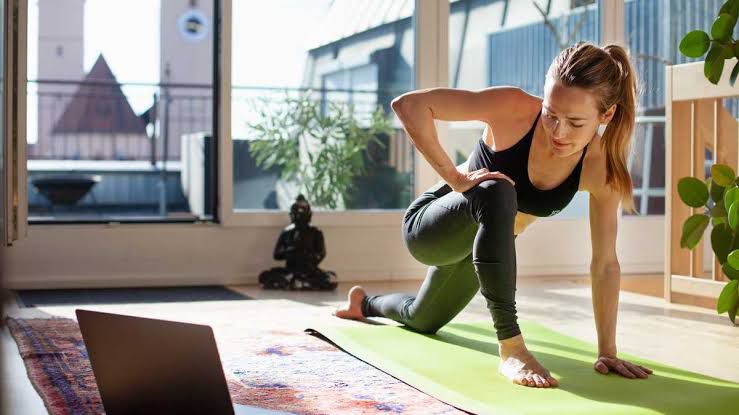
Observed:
{"x":606,"y":364}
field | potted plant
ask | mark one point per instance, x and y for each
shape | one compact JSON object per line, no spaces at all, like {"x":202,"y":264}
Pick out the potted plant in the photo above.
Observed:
{"x":719,"y":194}
{"x":320,"y":152}
{"x":67,"y":189}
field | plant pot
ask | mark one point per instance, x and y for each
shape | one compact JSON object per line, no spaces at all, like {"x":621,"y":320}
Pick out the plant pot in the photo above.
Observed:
{"x":65,"y":189}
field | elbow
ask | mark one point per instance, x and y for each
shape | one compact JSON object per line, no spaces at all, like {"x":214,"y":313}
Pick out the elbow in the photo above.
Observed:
{"x":405,"y":104}
{"x":398,"y":104}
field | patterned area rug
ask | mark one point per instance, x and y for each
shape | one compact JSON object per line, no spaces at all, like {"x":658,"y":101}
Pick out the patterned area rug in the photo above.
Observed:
{"x":279,"y":370}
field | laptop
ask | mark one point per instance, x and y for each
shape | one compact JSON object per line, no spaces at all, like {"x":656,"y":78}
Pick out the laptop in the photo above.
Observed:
{"x":147,"y":366}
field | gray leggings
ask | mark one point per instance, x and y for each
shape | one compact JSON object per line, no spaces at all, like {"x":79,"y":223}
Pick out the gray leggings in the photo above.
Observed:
{"x":468,"y":242}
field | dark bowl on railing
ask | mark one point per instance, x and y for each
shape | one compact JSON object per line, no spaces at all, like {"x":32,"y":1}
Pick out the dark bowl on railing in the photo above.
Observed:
{"x":66,"y":189}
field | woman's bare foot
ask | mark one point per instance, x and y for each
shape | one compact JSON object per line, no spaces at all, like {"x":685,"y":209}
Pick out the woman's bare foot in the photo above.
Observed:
{"x":520,"y":366}
{"x":353,"y":308}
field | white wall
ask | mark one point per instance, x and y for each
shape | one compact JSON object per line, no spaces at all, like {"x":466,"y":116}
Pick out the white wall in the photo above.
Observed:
{"x":153,"y":254}
{"x":54,"y":256}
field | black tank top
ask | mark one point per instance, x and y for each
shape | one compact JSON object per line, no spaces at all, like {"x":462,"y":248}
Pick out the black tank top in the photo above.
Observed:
{"x":513,"y":162}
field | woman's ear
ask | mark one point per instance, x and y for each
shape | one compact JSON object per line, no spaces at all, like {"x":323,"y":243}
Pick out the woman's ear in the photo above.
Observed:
{"x":608,"y":115}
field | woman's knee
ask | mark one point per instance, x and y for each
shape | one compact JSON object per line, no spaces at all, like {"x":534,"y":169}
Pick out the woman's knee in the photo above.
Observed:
{"x":441,"y":237}
{"x":498,"y":192}
{"x":419,"y":320}
{"x":424,"y":327}
{"x":493,"y":197}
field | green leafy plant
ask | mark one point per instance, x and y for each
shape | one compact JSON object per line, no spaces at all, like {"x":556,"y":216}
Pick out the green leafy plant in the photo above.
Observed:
{"x":322,"y":153}
{"x":719,"y":196}
{"x":720,"y":44}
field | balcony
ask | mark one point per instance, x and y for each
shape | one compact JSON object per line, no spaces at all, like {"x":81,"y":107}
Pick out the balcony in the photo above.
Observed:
{"x":156,"y":163}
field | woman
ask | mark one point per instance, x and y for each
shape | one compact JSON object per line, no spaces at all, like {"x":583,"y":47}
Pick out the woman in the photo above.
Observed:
{"x":535,"y":154}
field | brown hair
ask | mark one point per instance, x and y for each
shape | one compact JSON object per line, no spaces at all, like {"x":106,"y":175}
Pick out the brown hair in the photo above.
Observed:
{"x":609,"y":75}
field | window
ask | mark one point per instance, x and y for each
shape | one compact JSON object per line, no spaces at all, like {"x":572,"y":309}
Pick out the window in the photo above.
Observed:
{"x":119,"y":110}
{"x":311,"y":106}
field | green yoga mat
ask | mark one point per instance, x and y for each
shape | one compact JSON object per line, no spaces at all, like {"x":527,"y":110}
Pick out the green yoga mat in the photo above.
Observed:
{"x":458,"y":365}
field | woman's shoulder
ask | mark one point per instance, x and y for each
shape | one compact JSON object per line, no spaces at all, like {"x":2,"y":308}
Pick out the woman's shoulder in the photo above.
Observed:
{"x":510,"y":119}
{"x":504,"y":103}
{"x":530,"y":106}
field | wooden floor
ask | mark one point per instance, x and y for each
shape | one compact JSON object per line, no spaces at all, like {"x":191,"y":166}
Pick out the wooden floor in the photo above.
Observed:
{"x":647,"y":325}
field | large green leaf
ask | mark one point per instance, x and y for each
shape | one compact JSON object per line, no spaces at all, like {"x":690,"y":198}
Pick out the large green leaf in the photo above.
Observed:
{"x":693,"y":229}
{"x":723,"y":175}
{"x":727,"y":52}
{"x":714,"y":65}
{"x":723,"y":26}
{"x":692,"y":191}
{"x":729,"y":297}
{"x":721,"y":241}
{"x":734,"y":216}
{"x":731,"y":7}
{"x":733,"y":259}
{"x":731,"y":196}
{"x":730,"y":272}
{"x":695,"y":44}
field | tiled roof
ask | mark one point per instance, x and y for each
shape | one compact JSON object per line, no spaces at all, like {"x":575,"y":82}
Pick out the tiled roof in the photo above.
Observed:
{"x":99,"y":106}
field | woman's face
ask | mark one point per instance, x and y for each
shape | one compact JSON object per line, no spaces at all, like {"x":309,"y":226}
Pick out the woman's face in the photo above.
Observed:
{"x":570,"y":117}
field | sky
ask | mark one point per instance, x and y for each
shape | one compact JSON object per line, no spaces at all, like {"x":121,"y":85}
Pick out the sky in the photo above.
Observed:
{"x":276,"y":34}
{"x":107,"y":30}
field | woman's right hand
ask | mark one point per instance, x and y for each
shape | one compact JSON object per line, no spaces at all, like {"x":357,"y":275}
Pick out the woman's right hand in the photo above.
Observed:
{"x":468,"y":180}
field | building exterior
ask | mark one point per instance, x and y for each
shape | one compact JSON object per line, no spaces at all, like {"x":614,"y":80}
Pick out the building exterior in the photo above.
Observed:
{"x":60,"y":58}
{"x":186,"y":72}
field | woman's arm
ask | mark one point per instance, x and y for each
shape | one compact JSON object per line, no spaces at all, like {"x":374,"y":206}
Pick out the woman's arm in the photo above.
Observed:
{"x":604,"y":268}
{"x":606,"y":280}
{"x":417,"y":111}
